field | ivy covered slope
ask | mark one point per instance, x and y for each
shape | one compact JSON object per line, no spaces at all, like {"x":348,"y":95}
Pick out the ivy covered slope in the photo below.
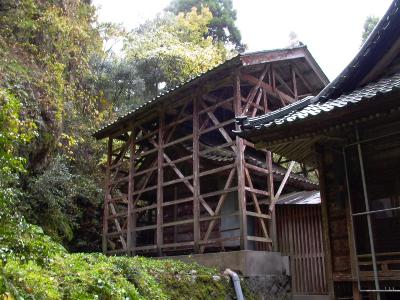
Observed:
{"x":57,"y":84}
{"x":34,"y":267}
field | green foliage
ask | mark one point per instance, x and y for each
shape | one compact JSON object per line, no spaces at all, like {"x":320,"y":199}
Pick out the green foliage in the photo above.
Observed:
{"x":369,"y":25}
{"x":55,"y":86}
{"x":35,"y":267}
{"x":54,"y":197}
{"x":47,"y":54}
{"x":173,"y":48}
{"x":221,"y":27}
{"x":10,"y":138}
{"x":14,"y":132}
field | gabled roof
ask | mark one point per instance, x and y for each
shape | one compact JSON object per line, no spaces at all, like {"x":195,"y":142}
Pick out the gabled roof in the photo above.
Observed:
{"x":371,"y":61}
{"x":306,"y":108}
{"x":244,"y":59}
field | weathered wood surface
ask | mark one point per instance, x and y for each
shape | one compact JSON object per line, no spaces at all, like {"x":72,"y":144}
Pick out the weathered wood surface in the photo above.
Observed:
{"x":167,"y":184}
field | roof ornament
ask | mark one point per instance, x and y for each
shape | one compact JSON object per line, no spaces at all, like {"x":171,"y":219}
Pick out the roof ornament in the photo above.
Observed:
{"x":243,"y":123}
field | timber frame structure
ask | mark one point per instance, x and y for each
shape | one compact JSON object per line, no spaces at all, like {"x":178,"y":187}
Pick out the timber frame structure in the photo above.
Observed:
{"x":178,"y":181}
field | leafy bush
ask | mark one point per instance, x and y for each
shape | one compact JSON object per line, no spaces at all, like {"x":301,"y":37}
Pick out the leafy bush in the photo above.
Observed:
{"x":57,"y":198}
{"x":35,"y":267}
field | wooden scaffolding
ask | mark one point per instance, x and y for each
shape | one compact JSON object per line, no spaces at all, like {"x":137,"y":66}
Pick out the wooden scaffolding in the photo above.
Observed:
{"x":178,"y":180}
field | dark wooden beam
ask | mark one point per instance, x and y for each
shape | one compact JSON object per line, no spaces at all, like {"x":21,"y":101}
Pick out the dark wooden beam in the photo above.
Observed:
{"x":196,"y":176}
{"x":268,"y":88}
{"x":107,"y":195}
{"x":131,"y":234}
{"x":240,"y":164}
{"x":295,"y":92}
{"x":160,"y":180}
{"x":270,"y":186}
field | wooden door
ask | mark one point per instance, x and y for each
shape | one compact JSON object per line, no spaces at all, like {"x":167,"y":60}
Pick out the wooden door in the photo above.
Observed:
{"x":299,"y":230}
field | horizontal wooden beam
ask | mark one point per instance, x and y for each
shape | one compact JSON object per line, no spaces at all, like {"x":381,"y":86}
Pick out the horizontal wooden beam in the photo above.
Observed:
{"x":256,"y":191}
{"x":175,"y":223}
{"x":256,"y":168}
{"x":216,"y":170}
{"x":258,"y":215}
{"x":259,"y":239}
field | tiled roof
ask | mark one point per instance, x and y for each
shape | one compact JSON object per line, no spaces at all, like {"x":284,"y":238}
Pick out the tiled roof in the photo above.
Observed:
{"x":306,"y":108}
{"x":342,"y":91}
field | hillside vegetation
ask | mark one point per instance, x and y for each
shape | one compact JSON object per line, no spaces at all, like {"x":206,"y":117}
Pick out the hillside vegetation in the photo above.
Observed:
{"x":59,"y":81}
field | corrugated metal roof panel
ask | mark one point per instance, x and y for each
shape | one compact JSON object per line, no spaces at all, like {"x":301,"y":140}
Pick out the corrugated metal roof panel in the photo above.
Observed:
{"x":303,"y":197}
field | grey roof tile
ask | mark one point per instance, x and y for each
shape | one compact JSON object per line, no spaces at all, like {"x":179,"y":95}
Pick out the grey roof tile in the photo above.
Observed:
{"x":370,"y":91}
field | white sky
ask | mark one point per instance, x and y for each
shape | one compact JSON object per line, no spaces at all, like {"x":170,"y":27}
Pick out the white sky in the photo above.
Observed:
{"x":331,"y":29}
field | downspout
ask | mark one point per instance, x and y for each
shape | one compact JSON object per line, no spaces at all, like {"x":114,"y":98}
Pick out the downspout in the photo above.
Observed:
{"x":236,"y":283}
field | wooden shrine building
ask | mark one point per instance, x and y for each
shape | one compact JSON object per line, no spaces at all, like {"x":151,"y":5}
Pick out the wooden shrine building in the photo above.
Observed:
{"x":178,"y":181}
{"x":351,"y":132}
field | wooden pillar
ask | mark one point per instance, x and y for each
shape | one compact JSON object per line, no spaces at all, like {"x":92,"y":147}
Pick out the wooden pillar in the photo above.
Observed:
{"x":160,"y":180}
{"x":107,"y":195}
{"x":175,"y":214}
{"x":240,"y":165}
{"x":131,"y":232}
{"x":350,"y":234}
{"x":325,"y":223}
{"x":196,"y":177}
{"x":271,"y":192}
{"x":296,"y":96}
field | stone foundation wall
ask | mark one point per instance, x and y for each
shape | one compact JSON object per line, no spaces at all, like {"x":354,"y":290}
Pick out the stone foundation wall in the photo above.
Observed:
{"x":269,"y":287}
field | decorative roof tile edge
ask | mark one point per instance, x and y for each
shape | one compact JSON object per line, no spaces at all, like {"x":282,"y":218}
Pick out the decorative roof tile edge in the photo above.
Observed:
{"x":308,"y":110}
{"x":278,"y":118}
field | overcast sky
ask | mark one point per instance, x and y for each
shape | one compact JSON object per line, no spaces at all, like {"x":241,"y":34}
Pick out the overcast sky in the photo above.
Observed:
{"x":331,"y":29}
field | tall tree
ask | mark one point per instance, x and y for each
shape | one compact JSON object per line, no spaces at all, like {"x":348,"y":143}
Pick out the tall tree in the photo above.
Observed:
{"x":222,"y":24}
{"x":47,"y":49}
{"x":369,"y":25}
{"x":173,"y":48}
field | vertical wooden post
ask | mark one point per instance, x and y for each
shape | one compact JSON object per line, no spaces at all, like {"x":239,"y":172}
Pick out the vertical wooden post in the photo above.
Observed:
{"x":237,"y":102}
{"x":107,"y":195}
{"x":271,"y":192}
{"x":175,"y":214}
{"x":296,"y":96}
{"x":273,"y":78}
{"x":350,"y":231}
{"x":160,"y":180}
{"x":196,"y":177}
{"x":325,"y":223}
{"x":131,"y":232}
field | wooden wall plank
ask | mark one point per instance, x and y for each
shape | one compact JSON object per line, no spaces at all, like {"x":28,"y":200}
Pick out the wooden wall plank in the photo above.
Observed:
{"x":299,"y":228}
